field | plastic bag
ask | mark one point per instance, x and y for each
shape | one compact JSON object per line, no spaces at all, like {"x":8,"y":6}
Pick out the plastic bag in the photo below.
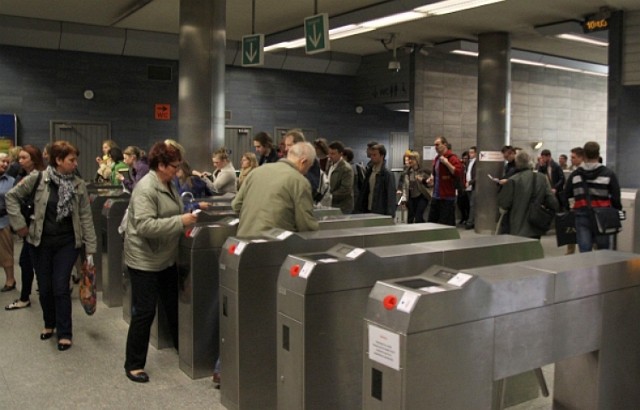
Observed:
{"x":88,"y":289}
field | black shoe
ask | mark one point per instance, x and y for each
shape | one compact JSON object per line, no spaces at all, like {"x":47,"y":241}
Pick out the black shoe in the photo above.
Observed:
{"x":46,"y":335}
{"x":7,"y":288}
{"x":64,"y":346}
{"x":469,"y":226}
{"x":141,"y":377}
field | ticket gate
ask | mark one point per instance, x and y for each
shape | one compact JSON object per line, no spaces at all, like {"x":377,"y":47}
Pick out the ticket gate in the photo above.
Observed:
{"x":322,"y":211}
{"x":628,"y":240}
{"x":443,"y":339}
{"x":248,"y":283}
{"x":354,"y":221}
{"x":198,"y":307}
{"x":96,"y":201}
{"x":321,"y":303}
{"x":112,"y":249}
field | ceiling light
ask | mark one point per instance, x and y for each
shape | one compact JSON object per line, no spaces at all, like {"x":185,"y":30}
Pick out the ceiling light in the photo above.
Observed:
{"x":583,"y":39}
{"x":527,"y":62}
{"x":452,"y":6}
{"x":347,"y":31}
{"x":465,"y":53}
{"x":393,"y":19}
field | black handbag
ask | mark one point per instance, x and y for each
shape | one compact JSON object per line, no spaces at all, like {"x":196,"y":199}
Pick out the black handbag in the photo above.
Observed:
{"x":539,"y":216}
{"x":565,"y":228}
{"x":27,"y":205}
{"x":605,"y":220}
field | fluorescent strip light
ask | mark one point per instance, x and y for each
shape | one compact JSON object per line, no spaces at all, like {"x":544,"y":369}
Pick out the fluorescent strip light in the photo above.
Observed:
{"x":393,"y":19}
{"x":465,"y":53}
{"x":559,"y":67}
{"x":596,"y":74}
{"x":347,"y":31}
{"x":527,"y":62}
{"x":583,"y":39}
{"x":452,"y":6}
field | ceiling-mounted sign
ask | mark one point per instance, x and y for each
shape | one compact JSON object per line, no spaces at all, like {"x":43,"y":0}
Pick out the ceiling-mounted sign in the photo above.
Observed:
{"x":316,"y":33}
{"x":253,"y":50}
{"x":596,"y":23}
{"x":163,"y":112}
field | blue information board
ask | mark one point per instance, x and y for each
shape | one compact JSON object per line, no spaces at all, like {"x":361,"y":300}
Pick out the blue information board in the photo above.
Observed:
{"x":8,"y":132}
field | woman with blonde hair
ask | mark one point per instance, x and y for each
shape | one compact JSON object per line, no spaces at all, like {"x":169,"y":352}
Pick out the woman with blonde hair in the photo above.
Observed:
{"x":413,"y":188}
{"x":223,"y":179}
{"x":248,"y":163}
{"x":105,"y":164}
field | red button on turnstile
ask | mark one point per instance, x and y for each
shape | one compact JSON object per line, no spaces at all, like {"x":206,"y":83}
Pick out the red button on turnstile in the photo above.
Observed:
{"x":295,"y":270}
{"x":232,"y":249}
{"x":389,"y":302}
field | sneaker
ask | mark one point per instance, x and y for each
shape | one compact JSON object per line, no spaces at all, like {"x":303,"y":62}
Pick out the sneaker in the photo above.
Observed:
{"x":17,"y":304}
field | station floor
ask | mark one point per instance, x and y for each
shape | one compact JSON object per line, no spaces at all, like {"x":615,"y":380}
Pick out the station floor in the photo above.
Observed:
{"x":35,"y":375}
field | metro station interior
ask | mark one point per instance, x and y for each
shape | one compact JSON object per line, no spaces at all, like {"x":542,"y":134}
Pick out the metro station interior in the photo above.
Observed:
{"x":510,"y":322}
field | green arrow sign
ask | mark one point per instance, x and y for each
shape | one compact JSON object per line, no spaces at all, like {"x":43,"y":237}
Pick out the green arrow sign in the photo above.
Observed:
{"x":253,"y":50}
{"x":316,"y":33}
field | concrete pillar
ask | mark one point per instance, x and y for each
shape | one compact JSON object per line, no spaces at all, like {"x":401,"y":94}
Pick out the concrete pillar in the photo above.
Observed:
{"x":201,"y":86}
{"x":494,"y":83}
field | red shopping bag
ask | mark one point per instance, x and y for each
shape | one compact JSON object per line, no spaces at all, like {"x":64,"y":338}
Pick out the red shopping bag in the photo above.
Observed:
{"x":88,"y":288}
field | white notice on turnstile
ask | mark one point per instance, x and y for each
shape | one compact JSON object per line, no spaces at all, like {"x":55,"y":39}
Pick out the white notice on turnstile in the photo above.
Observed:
{"x":384,"y":347}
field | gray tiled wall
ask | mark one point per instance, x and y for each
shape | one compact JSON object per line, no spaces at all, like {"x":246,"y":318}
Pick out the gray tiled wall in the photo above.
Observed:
{"x":563,"y":109}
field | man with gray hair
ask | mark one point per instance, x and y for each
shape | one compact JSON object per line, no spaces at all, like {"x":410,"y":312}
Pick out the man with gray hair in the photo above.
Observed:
{"x":278,"y":195}
{"x":518,"y":193}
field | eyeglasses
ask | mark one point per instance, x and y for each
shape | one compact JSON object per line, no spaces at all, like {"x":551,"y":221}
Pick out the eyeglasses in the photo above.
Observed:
{"x":174,"y":166}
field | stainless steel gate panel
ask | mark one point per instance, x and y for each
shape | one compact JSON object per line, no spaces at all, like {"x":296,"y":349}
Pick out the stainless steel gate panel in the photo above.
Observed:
{"x":592,"y":339}
{"x":354,"y":221}
{"x":97,"y":200}
{"x":327,"y":293}
{"x":112,"y":265}
{"x":248,"y":279}
{"x":198,"y":301}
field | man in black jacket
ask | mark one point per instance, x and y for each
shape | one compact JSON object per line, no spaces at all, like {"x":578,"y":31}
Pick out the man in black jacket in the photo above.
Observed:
{"x":553,"y":171}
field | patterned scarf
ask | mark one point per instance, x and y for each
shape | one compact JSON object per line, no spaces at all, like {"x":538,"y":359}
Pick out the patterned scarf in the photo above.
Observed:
{"x":65,"y":192}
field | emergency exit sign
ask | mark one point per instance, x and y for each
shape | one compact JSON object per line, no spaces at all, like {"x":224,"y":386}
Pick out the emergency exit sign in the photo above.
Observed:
{"x":316,"y":33}
{"x":253,"y":50}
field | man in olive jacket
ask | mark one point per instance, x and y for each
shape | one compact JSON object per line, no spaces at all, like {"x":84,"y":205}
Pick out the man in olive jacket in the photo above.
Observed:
{"x":515,"y":196}
{"x":278,"y":195}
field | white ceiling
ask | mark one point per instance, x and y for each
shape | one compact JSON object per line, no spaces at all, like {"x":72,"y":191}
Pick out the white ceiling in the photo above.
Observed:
{"x":517,"y":17}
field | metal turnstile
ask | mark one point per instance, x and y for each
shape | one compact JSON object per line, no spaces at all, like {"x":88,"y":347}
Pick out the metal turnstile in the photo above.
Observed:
{"x":248,"y":278}
{"x":444,"y":339}
{"x":198,"y":313}
{"x":628,"y":240}
{"x":354,"y":221}
{"x":112,"y":249}
{"x":321,"y":303}
{"x":322,"y":211}
{"x":97,"y":200}
{"x":164,"y":339}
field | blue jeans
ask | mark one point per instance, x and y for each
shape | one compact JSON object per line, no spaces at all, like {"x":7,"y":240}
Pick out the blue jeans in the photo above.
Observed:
{"x":586,"y":235}
{"x":53,"y":265}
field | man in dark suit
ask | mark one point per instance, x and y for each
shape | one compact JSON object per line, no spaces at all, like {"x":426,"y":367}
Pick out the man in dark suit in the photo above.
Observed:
{"x":553,"y":172}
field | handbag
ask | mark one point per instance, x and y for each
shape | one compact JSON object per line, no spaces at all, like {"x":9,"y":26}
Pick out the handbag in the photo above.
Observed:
{"x":565,"y":228}
{"x":605,"y":220}
{"x":540,"y":217}
{"x":88,"y":297}
{"x":27,"y":205}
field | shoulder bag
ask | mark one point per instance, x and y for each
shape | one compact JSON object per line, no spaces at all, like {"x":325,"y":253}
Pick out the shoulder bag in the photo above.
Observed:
{"x":605,"y":220}
{"x":540,"y":217}
{"x":27,"y":205}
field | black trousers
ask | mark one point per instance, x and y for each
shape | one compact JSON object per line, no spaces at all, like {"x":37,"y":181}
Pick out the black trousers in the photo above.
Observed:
{"x":146,"y":288}
{"x":443,"y":211}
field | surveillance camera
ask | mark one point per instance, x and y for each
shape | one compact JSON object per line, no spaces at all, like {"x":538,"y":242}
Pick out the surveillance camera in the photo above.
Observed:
{"x":394,"y":65}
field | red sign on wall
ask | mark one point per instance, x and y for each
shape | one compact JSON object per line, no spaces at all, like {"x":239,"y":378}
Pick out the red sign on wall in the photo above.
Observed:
{"x":163,"y":112}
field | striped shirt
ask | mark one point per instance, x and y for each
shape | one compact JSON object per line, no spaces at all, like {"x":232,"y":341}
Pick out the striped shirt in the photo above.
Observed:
{"x":602,"y":183}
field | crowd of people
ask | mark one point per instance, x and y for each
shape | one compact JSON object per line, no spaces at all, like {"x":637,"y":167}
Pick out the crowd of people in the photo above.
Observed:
{"x":44,"y":201}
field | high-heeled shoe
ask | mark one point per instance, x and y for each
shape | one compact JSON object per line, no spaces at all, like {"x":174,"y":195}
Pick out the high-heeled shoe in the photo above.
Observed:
{"x":64,"y":346}
{"x":141,"y":377}
{"x":46,"y":335}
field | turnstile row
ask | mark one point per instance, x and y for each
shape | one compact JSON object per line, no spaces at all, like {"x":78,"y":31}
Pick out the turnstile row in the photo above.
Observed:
{"x":442,"y":339}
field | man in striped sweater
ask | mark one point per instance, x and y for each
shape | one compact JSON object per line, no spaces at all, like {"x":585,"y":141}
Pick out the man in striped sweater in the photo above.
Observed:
{"x":604,"y":191}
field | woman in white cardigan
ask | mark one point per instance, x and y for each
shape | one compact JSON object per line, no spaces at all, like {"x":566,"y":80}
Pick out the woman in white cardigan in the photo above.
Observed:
{"x":223,"y":179}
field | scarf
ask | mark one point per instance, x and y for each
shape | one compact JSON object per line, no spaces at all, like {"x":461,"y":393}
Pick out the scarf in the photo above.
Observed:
{"x":65,"y":192}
